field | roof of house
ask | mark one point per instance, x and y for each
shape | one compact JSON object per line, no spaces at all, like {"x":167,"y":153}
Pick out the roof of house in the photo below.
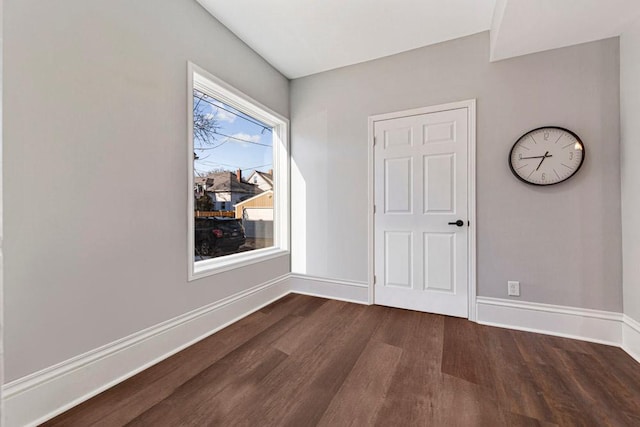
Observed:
{"x":254,"y":198}
{"x":266,"y":176}
{"x":226,"y":182}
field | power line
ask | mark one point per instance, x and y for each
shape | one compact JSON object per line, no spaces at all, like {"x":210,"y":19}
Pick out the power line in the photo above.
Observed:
{"x":242,"y":140}
{"x":219,"y":164}
{"x":227,"y":140}
{"x":265,"y":127}
{"x":256,"y":167}
{"x":211,"y":148}
{"x":231,"y":137}
{"x":213,"y":163}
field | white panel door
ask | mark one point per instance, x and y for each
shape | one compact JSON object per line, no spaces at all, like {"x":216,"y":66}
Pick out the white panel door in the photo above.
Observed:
{"x":421,"y":258}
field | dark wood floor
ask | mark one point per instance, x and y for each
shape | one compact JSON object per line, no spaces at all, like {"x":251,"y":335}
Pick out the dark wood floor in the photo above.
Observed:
{"x":306,"y":361}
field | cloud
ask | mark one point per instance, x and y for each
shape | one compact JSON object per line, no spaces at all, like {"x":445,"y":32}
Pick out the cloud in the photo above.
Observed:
{"x":247,"y":137}
{"x":222,"y":115}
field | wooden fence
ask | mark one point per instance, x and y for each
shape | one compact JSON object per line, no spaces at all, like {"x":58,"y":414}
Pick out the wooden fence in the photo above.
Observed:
{"x":200,"y":214}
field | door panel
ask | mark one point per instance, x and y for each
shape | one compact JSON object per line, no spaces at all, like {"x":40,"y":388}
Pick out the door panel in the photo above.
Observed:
{"x":398,"y":251}
{"x":398,"y":196}
{"x":439,"y":261}
{"x":398,"y":137}
{"x":421,"y":185}
{"x":440,"y":132}
{"x":439,"y":183}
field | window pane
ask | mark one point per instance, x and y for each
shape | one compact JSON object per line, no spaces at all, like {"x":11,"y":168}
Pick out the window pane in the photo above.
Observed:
{"x":233,"y":180}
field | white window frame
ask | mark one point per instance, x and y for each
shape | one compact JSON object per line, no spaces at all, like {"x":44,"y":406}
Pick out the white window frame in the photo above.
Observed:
{"x":200,"y":79}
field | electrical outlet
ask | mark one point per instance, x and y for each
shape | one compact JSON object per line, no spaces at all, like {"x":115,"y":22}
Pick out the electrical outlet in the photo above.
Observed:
{"x":513,"y":288}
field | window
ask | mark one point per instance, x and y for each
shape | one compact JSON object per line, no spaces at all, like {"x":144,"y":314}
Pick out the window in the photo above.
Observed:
{"x":232,"y":221}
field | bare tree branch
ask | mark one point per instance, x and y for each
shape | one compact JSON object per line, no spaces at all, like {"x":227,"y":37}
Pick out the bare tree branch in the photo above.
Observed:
{"x":205,"y":124}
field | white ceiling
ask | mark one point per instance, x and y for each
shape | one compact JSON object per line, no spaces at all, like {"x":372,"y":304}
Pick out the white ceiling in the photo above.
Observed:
{"x":302,"y":37}
{"x":526,"y":26}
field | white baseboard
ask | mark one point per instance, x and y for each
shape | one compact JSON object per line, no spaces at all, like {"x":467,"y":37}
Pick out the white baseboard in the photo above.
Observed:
{"x":602,"y":327}
{"x":42,"y":395}
{"x":343,"y":290}
{"x":631,"y":337}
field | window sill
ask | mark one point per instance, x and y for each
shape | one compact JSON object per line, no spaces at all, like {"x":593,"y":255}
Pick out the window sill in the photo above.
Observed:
{"x":214,"y":266}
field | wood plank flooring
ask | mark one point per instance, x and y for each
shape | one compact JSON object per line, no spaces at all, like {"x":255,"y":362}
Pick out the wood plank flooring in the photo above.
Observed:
{"x":305,"y":361}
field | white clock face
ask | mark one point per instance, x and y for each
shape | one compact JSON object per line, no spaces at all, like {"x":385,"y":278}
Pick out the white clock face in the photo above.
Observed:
{"x":546,"y":156}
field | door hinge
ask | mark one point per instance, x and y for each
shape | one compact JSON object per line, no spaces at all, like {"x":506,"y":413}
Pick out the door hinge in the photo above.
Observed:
{"x":374,"y":140}
{"x":375,"y":279}
{"x":374,"y":208}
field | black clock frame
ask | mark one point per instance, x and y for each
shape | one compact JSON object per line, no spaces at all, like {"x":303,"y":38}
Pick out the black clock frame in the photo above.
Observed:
{"x":584,"y":155}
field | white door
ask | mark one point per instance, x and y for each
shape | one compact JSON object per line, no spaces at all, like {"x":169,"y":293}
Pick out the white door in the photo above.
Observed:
{"x":421,"y":255}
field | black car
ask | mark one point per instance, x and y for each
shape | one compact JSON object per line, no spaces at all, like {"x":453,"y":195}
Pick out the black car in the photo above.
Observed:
{"x":217,"y":234}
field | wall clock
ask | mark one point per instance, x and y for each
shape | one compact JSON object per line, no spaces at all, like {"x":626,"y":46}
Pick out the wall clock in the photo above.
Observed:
{"x":546,"y":156}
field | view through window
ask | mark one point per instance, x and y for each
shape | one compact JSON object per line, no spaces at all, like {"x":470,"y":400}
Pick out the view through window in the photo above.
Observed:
{"x":233,"y":180}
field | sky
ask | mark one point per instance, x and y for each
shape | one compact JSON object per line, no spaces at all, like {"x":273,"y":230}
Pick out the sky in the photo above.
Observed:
{"x":241,"y":142}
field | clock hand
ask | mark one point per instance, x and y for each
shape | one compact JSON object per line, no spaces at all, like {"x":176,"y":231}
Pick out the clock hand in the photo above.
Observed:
{"x":543,"y":157}
{"x":535,"y":157}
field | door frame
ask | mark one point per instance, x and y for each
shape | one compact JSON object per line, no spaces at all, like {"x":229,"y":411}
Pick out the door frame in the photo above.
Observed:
{"x":470,"y":105}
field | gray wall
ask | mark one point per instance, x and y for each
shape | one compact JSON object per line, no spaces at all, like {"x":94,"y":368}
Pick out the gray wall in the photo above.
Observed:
{"x":630,"y":152}
{"x":1,"y":234}
{"x":95,"y":169}
{"x":563,"y":243}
